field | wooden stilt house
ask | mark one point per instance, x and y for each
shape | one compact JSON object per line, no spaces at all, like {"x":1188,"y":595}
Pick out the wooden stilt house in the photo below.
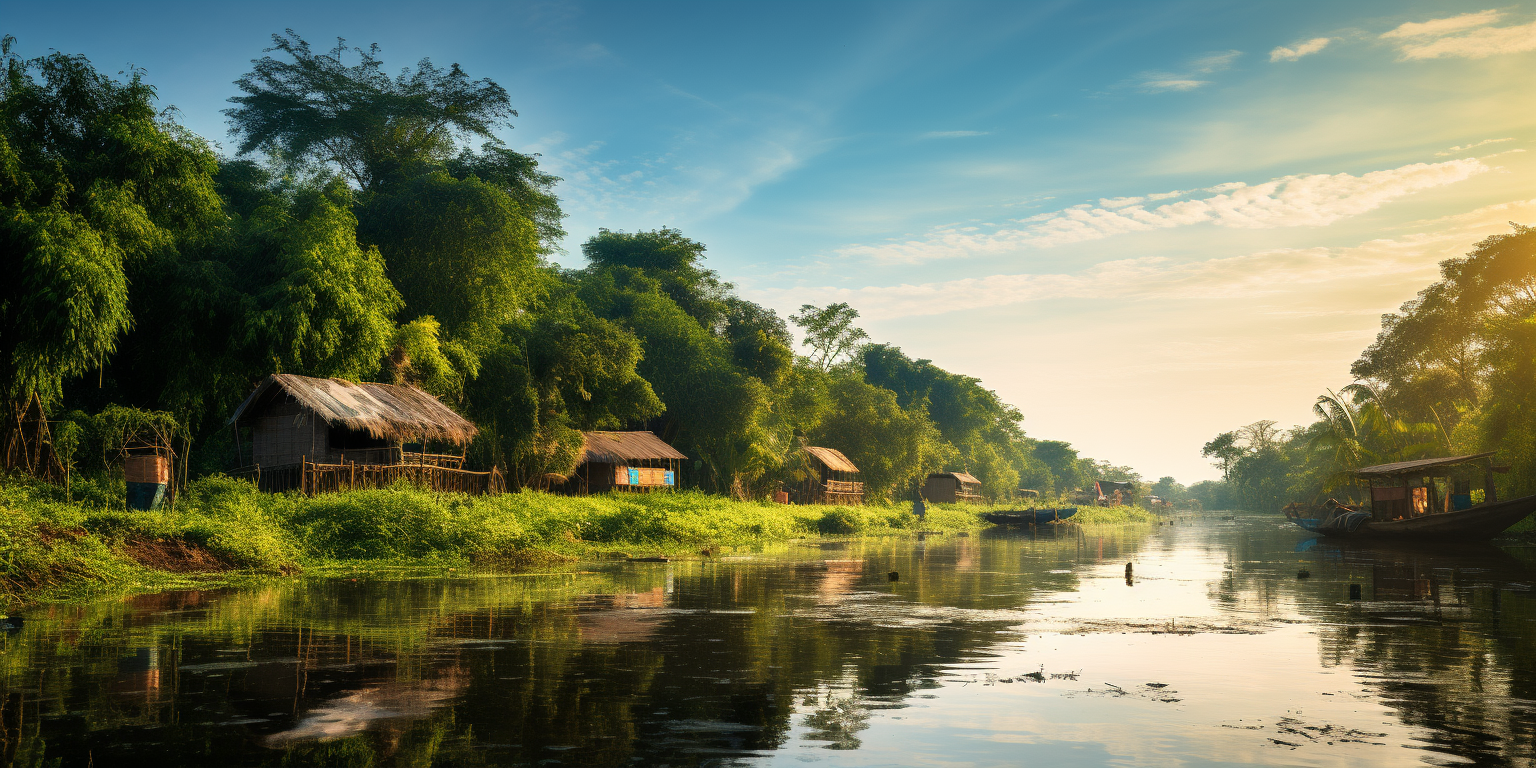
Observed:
{"x":298,"y":432}
{"x":637,"y":462}
{"x":830,"y":478}
{"x":951,"y":487}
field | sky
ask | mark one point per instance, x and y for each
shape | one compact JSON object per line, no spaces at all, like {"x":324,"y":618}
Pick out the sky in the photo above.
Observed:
{"x":1142,"y":223}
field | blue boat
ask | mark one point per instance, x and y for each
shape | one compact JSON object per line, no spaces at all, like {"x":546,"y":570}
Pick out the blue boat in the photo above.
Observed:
{"x":1029,"y":516}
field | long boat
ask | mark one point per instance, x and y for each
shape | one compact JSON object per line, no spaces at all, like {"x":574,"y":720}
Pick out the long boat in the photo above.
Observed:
{"x":1029,"y":516}
{"x":1407,"y":505}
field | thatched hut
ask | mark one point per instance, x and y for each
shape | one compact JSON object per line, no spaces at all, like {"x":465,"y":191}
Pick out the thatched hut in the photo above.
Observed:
{"x":951,"y":487}
{"x":298,"y":426}
{"x":830,"y":478}
{"x":625,"y":461}
{"x":1112,"y":494}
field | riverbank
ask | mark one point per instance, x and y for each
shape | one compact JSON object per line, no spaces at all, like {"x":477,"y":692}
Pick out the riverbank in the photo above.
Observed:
{"x":223,"y":531}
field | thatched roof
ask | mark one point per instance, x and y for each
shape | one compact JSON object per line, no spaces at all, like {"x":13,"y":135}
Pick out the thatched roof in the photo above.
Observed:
{"x":833,"y":458}
{"x":961,"y":476}
{"x":385,"y":411}
{"x":619,"y":447}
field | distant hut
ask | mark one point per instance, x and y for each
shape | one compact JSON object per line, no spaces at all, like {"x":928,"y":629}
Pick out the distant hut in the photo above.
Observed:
{"x":951,"y":487}
{"x":831,"y":479}
{"x":1113,"y":494}
{"x":328,"y":434}
{"x":625,"y":461}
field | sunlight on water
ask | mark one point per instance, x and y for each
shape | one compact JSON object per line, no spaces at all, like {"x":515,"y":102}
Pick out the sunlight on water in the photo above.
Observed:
{"x":1002,"y":648}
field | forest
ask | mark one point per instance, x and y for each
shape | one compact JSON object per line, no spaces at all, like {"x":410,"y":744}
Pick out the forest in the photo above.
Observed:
{"x":371,"y":227}
{"x":1452,"y":372}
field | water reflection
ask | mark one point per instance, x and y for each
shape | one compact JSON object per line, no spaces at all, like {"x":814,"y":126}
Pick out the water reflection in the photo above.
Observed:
{"x":997,"y":648}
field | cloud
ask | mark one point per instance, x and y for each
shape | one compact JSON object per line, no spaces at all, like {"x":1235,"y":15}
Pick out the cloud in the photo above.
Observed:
{"x":1215,"y":62}
{"x":953,"y":134}
{"x":1440,"y":27}
{"x":1468,"y":36}
{"x":1158,"y":86}
{"x":1309,"y":47}
{"x":1266,"y":274}
{"x":1289,"y":201}
{"x":1454,"y":150}
{"x":1160,"y":82}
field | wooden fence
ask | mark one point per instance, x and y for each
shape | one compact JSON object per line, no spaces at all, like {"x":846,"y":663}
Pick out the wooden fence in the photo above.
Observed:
{"x":843,"y":492}
{"x":310,"y":478}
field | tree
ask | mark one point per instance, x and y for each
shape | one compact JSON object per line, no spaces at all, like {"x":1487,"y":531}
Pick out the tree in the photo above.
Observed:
{"x":553,"y":374}
{"x":893,"y":447}
{"x":829,"y":332}
{"x":518,"y":176}
{"x":671,"y":263}
{"x":95,"y":185}
{"x":1224,"y":448}
{"x":460,"y":251}
{"x":313,"y":107}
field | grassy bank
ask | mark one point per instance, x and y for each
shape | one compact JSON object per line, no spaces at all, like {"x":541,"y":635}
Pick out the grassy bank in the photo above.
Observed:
{"x":224,"y":531}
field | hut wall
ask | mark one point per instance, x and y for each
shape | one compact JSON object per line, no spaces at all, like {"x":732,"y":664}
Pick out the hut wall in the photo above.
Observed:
{"x":285,"y":433}
{"x":941,"y":489}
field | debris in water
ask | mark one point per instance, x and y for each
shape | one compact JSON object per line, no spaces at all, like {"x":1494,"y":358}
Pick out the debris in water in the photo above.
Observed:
{"x":1303,"y":573}
{"x":893,"y":576}
{"x":1157,"y":685}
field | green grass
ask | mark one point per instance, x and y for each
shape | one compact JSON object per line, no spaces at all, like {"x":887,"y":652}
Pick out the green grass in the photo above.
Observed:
{"x":53,"y":547}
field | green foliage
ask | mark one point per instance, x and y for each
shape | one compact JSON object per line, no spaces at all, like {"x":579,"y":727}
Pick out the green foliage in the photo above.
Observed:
{"x":322,"y":305}
{"x":830,"y":332}
{"x":94,"y":184}
{"x":309,"y":106}
{"x":50,"y":544}
{"x":893,"y":447}
{"x":671,"y":262}
{"x":461,"y":251}
{"x":552,"y":374}
{"x":518,"y":177}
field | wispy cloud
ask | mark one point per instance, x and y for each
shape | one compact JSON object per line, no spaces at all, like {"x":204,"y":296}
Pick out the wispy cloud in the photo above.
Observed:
{"x":1188,"y":80}
{"x":953,"y":134}
{"x":1289,"y":201}
{"x":1468,"y":36}
{"x":1454,"y":150}
{"x":1215,"y":62}
{"x":1264,"y":274}
{"x":1282,"y":53}
{"x":1170,"y":84}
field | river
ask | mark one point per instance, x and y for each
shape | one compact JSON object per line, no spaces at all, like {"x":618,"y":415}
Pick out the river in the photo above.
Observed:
{"x":1000,"y":648}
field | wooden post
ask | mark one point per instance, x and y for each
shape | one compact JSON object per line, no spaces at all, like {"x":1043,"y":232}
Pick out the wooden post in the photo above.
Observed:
{"x":1490,"y":493}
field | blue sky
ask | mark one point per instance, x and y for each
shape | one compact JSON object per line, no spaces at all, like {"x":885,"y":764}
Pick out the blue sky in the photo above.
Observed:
{"x":1142,"y":223}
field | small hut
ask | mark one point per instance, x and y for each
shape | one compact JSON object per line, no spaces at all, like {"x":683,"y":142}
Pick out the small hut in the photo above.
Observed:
{"x":831,"y":479}
{"x":1113,"y":494}
{"x":951,"y":487}
{"x":329,"y":434}
{"x":625,"y":461}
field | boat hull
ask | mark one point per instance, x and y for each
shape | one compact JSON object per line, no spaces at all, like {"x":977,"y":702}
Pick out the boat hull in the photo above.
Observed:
{"x":1476,"y":524}
{"x":1029,"y":516}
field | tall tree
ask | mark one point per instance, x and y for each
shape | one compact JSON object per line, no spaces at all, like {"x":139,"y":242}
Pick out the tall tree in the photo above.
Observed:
{"x":311,"y":106}
{"x":830,"y":332}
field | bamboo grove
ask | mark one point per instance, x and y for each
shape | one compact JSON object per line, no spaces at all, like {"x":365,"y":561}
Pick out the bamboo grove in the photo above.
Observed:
{"x":1451,"y":372}
{"x":371,"y":227}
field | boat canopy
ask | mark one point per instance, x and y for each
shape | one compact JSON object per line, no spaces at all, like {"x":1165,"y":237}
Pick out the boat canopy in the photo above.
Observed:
{"x":1405,"y":467}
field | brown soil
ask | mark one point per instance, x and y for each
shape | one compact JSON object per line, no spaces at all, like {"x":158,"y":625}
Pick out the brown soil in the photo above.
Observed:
{"x":174,"y":555}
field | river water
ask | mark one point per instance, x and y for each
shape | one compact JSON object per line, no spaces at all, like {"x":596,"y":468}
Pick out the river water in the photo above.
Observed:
{"x":999,"y":648}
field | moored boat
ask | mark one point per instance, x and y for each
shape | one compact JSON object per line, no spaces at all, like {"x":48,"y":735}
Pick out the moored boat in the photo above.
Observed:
{"x":1029,"y":516}
{"x":1407,"y":504}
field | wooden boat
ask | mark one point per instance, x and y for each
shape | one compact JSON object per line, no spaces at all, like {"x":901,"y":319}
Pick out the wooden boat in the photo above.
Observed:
{"x":1407,"y":505}
{"x":1029,"y":516}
